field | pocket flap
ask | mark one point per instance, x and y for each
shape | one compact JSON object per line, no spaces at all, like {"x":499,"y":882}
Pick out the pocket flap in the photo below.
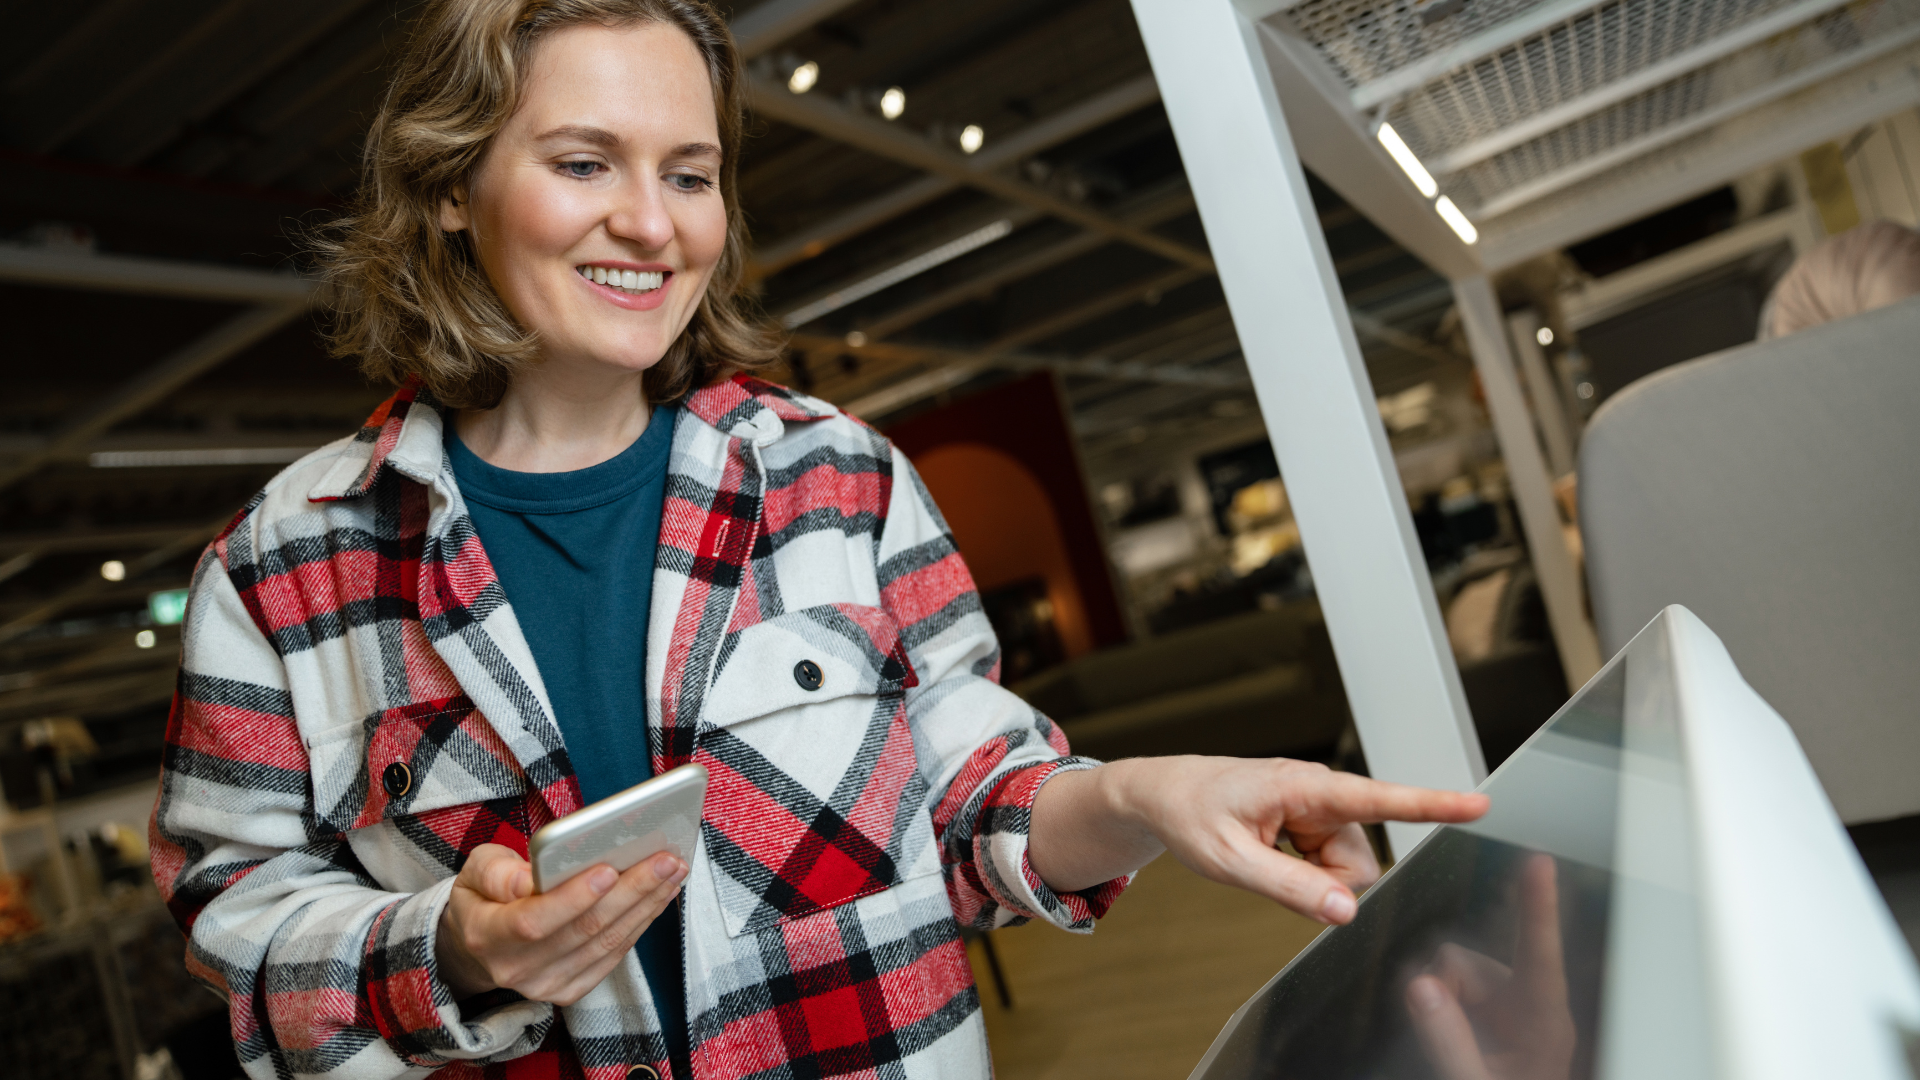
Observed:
{"x":406,"y":761}
{"x":854,"y":650}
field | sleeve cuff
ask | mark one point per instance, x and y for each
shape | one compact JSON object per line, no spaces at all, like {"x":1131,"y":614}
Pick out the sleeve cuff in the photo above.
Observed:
{"x":413,"y":1008}
{"x":1001,"y":848}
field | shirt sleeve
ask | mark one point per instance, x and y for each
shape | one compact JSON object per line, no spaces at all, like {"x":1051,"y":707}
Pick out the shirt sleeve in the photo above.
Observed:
{"x":325,"y":972}
{"x":986,"y":751}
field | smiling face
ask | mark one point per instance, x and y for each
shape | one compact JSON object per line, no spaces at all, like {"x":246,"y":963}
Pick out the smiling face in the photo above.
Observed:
{"x":597,"y":212}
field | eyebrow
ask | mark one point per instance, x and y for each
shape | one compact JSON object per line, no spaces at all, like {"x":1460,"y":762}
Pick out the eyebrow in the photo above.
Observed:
{"x":605,"y":139}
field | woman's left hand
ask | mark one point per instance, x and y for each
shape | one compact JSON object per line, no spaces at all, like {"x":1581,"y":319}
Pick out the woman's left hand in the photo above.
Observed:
{"x":1222,"y":818}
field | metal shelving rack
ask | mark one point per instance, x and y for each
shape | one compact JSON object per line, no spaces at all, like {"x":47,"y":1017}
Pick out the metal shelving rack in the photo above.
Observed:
{"x":1534,"y":125}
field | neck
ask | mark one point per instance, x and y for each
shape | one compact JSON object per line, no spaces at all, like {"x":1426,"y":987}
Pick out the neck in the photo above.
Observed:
{"x":557,"y":419}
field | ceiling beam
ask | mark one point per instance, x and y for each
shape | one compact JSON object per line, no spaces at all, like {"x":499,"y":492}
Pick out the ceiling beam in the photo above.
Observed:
{"x":138,"y":147}
{"x":182,"y":544}
{"x":183,"y":366}
{"x":764,"y":27}
{"x":117,"y":693}
{"x":1069,"y":123}
{"x":980,"y":230}
{"x":38,"y":544}
{"x":152,"y":277}
{"x":1105,"y":304}
{"x":875,"y":136}
{"x":948,"y":368}
{"x":157,"y":62}
{"x":110,"y":13}
{"x":892,"y":322}
{"x":118,"y":658}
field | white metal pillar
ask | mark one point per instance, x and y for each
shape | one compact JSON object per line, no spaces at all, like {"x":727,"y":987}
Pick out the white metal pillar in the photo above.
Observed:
{"x":1315,"y":395}
{"x":1560,"y":582}
{"x":1543,"y":390}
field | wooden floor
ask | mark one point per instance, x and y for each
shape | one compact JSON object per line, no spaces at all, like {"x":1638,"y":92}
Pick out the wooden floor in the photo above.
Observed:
{"x":1143,"y":996}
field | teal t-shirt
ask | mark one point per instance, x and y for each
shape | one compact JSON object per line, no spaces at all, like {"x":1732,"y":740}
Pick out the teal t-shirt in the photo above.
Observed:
{"x":574,"y":552}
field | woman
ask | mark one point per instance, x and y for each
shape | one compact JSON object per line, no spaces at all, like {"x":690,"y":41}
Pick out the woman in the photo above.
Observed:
{"x":579,"y":547}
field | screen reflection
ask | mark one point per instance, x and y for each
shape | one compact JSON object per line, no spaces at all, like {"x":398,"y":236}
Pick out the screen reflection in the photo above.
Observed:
{"x":1482,"y":955}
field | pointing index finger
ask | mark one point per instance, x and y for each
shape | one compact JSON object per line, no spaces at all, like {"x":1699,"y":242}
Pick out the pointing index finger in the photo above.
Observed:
{"x":1347,"y":797}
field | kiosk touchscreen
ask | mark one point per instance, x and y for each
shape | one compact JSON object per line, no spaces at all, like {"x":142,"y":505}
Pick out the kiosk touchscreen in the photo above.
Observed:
{"x":1610,"y":916}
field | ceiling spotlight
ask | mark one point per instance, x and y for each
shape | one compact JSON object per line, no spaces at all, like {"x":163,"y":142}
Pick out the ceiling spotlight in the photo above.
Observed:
{"x":856,"y":339}
{"x":113,"y":570}
{"x":893,"y":103}
{"x":1403,"y":156}
{"x":972,"y":137}
{"x":1456,"y":220}
{"x":145,"y":639}
{"x":804,"y":77}
{"x":1544,"y":336}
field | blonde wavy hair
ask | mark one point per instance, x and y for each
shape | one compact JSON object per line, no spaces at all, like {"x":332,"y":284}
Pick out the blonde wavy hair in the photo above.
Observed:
{"x":411,"y":299}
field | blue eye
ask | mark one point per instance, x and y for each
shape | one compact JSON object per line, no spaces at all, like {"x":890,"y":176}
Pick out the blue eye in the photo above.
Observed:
{"x":580,"y":170}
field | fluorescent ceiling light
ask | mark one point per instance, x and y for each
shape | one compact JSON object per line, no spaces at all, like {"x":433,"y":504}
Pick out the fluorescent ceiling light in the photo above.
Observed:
{"x":896,"y":274}
{"x":1451,"y":214}
{"x":1402,"y":156}
{"x":242,"y":455}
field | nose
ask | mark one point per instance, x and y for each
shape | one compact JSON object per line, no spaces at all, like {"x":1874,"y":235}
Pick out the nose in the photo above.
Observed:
{"x":640,"y":214}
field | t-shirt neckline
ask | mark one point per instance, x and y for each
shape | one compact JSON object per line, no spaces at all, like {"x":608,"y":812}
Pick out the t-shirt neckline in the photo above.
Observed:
{"x":564,"y":492}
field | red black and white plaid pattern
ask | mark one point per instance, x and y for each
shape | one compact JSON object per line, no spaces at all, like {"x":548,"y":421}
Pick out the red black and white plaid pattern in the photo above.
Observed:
{"x":358,"y":710}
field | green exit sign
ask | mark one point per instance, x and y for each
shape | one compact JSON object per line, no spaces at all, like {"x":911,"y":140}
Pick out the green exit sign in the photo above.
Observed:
{"x":167,"y":607}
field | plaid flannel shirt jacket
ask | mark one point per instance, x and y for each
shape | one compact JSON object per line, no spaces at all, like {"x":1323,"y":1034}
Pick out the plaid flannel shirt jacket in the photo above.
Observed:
{"x":358,"y":709}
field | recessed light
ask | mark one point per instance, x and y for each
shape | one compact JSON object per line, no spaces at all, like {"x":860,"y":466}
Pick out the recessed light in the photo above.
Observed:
{"x":804,"y":77}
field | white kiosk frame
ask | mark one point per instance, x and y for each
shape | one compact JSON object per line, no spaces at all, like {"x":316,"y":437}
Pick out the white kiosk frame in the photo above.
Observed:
{"x":1535,"y":124}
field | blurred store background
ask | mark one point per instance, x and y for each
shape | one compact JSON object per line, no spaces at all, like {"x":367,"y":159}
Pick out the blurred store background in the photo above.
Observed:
{"x":974,"y":221}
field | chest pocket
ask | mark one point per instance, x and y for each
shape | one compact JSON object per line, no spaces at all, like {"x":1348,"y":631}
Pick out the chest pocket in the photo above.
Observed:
{"x":436,"y":769}
{"x":814,"y":796}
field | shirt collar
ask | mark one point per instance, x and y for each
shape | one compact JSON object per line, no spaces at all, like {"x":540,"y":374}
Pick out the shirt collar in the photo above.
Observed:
{"x":406,"y":430}
{"x":754,"y":410}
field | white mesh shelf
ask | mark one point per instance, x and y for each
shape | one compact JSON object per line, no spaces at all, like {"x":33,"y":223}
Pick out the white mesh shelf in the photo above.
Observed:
{"x":1509,"y":103}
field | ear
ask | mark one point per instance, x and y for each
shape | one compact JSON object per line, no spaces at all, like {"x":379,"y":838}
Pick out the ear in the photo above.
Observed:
{"x":455,"y":210}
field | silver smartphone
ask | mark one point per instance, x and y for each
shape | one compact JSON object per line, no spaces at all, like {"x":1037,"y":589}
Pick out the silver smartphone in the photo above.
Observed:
{"x":662,"y":814}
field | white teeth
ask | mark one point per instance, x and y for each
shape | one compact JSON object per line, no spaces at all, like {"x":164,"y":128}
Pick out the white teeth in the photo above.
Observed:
{"x":626,"y":280}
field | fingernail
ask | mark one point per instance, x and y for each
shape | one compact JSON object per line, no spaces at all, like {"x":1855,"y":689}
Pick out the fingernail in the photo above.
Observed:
{"x":1338,"y":907}
{"x":679,"y":872}
{"x":1425,"y":994}
{"x":665,"y":866}
{"x":600,"y":879}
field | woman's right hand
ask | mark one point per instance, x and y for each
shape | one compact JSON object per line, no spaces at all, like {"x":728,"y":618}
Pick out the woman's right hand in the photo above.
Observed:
{"x":496,"y":933}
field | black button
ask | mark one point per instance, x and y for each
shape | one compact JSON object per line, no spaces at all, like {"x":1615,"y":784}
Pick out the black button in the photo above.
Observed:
{"x":397,"y":779}
{"x":807,"y":674}
{"x":642,"y":1072}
